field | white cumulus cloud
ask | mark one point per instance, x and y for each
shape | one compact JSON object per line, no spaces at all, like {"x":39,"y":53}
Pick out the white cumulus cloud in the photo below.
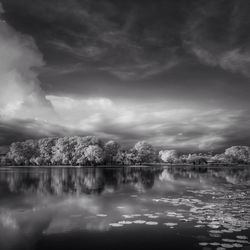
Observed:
{"x":20,"y":91}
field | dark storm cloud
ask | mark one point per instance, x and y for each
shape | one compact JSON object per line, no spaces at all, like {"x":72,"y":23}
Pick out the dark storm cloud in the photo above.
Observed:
{"x":19,"y":130}
{"x":171,"y":46}
{"x":133,"y":40}
{"x":129,"y":40}
{"x":218,"y":34}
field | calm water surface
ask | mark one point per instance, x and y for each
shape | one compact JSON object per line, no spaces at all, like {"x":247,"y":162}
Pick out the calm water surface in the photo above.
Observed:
{"x":124,"y":208}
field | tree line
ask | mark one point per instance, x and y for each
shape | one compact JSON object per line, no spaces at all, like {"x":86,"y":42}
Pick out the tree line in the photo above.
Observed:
{"x":90,"y":151}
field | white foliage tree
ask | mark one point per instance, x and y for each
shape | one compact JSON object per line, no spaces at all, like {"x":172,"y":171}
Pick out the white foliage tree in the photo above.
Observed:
{"x":145,"y":152}
{"x":94,"y":154}
{"x":169,"y":156}
{"x":239,"y":154}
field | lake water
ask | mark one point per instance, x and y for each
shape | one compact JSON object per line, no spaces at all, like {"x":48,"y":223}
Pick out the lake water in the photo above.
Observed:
{"x":124,"y":208}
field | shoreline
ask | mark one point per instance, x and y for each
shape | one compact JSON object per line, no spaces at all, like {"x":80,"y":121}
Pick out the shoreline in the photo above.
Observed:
{"x":149,"y":165}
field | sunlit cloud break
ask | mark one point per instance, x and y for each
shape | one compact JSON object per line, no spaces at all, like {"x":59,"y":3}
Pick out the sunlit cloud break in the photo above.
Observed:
{"x":179,"y":128}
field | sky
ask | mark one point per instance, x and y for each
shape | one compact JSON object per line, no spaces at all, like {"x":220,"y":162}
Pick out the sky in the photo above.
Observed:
{"x":175,"y":73}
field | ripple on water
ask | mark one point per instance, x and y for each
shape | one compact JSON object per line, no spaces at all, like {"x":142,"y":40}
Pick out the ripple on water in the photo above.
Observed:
{"x":214,"y":244}
{"x":215,"y":235}
{"x":237,"y":245}
{"x":153,"y":216}
{"x":203,"y":243}
{"x":130,"y":216}
{"x":151,"y":223}
{"x":228,"y":240}
{"x":101,"y":215}
{"x":241,"y":237}
{"x":120,"y":207}
{"x":115,"y":224}
{"x":199,"y":226}
{"x":242,"y":241}
{"x":170,"y":224}
{"x":226,"y":245}
{"x":125,"y":222}
{"x":139,"y":221}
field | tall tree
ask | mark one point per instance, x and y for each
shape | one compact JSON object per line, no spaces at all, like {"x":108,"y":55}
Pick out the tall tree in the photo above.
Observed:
{"x":21,"y":153}
{"x":239,"y":154}
{"x":111,"y":149}
{"x":94,"y":154}
{"x":169,"y":156}
{"x":80,"y":148}
{"x":145,"y":152}
{"x":45,"y":146}
{"x":64,"y":151}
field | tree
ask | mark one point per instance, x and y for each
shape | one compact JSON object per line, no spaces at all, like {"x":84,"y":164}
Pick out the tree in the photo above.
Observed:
{"x":22,"y":152}
{"x":3,"y":160}
{"x":196,"y":159}
{"x":91,"y":140}
{"x":16,"y":154}
{"x":169,"y":156}
{"x":121,"y":157}
{"x":80,"y":148}
{"x":37,"y":161}
{"x":219,"y":158}
{"x":144,"y":152}
{"x":183,"y":158}
{"x":131,"y":157}
{"x":45,"y":146}
{"x":93,"y":154}
{"x":111,"y":149}
{"x":238,"y":154}
{"x":64,"y":151}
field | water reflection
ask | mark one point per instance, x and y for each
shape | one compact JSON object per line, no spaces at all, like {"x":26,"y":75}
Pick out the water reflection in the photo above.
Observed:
{"x":59,"y":181}
{"x":208,"y":208}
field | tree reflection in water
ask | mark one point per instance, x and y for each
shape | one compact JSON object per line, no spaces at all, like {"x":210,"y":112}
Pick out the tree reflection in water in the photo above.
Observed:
{"x":208,"y":207}
{"x":58,"y":181}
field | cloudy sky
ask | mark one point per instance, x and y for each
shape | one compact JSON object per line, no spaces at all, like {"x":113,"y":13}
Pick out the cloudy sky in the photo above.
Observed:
{"x":173,"y":72}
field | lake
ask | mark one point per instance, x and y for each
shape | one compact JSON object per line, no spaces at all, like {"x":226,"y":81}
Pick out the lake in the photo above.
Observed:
{"x":124,"y":208}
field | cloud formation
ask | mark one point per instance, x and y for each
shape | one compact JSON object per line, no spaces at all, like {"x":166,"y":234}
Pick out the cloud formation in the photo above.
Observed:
{"x":20,"y":91}
{"x":132,"y":41}
{"x":217,"y":34}
{"x":185,"y":128}
{"x":106,"y":36}
{"x":189,"y":127}
{"x":175,"y":73}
